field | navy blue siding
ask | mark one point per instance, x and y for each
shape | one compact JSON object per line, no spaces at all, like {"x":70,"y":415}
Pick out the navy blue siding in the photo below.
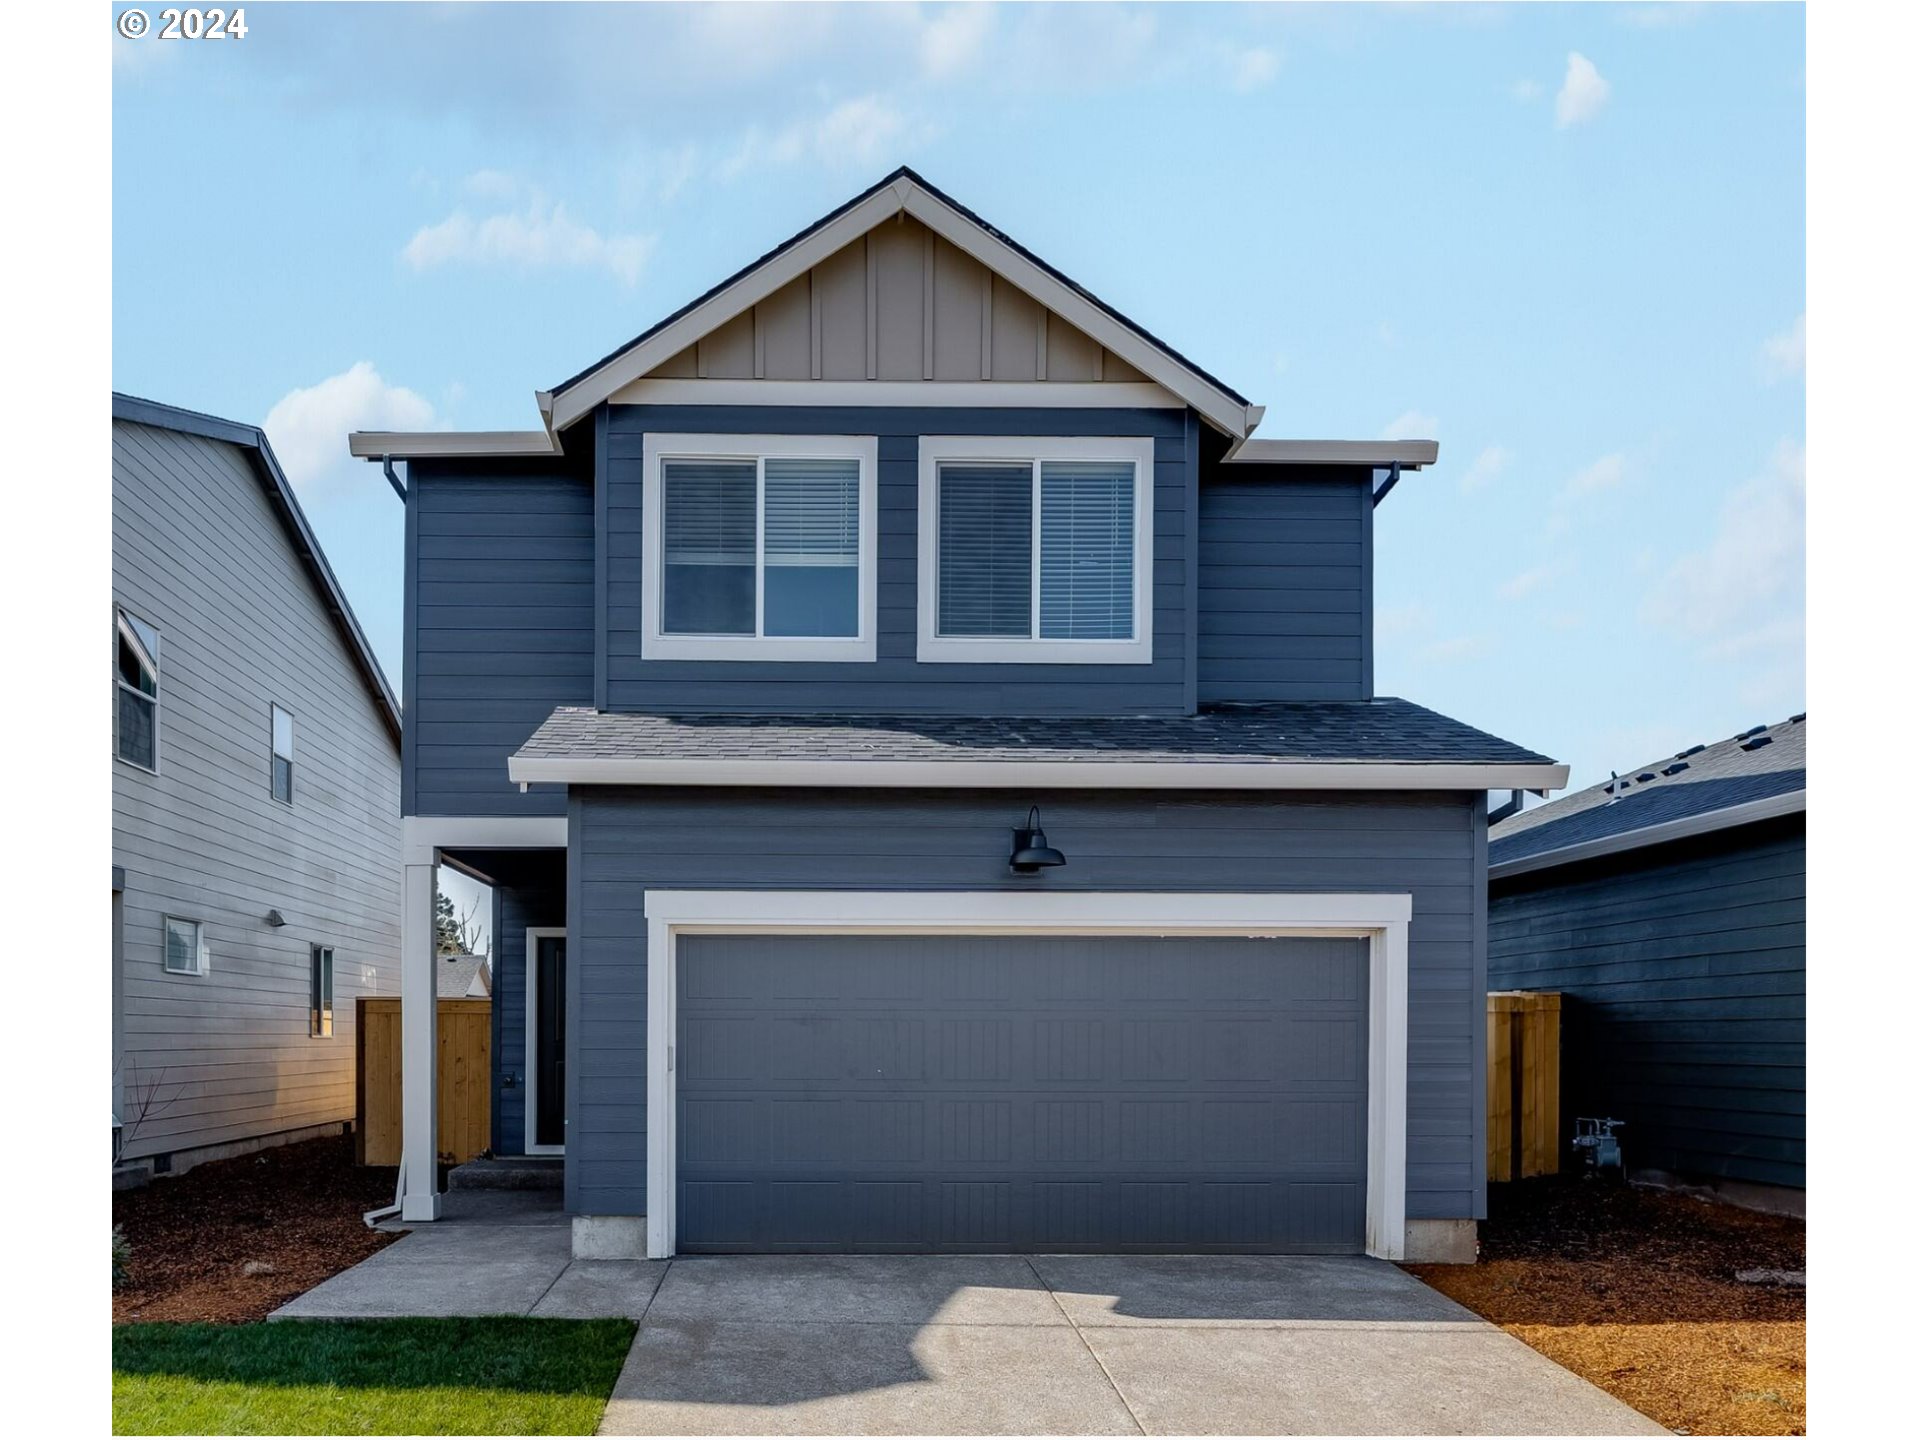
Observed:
{"x":895,"y":682}
{"x":500,"y":603}
{"x":515,"y":908}
{"x":624,"y":842}
{"x":1685,"y":971}
{"x":1285,"y":593}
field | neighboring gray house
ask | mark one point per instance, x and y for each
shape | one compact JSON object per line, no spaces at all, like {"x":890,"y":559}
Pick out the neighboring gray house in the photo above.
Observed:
{"x":1669,"y":906}
{"x":256,"y":786}
{"x":751,"y":680}
{"x":465,"y":977}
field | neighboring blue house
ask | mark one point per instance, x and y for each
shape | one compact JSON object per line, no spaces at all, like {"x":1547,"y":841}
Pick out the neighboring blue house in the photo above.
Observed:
{"x":927,"y":756}
{"x":1669,"y":906}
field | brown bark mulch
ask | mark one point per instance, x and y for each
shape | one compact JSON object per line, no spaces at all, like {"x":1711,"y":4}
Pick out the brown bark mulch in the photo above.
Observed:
{"x":1634,"y":1290}
{"x":291,"y":1214}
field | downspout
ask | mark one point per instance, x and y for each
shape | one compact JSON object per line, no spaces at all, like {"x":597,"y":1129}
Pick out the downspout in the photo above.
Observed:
{"x":386,"y":468}
{"x":1393,"y":479}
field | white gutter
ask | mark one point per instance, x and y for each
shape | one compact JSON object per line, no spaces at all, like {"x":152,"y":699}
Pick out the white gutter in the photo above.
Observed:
{"x":1793,"y":803}
{"x":1407,"y":454}
{"x":421,"y":444}
{"x":1053,"y":774}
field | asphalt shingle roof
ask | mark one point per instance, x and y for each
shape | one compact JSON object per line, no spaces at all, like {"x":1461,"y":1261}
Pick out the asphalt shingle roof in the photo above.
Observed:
{"x":1754,"y":765}
{"x":1384,"y":731}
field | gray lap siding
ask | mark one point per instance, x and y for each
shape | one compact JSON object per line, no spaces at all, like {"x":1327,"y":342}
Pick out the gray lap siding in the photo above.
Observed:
{"x":625,"y":842}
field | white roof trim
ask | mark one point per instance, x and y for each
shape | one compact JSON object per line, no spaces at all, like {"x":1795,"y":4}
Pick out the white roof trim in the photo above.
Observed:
{"x":1725,"y":818}
{"x":1409,"y":453}
{"x":982,"y":394}
{"x":419,"y":444}
{"x":1056,"y":774}
{"x":1220,"y":409}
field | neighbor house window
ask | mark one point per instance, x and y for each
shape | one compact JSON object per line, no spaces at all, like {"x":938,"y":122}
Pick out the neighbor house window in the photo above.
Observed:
{"x":282,"y":754}
{"x":184,"y":946}
{"x":1036,"y":550}
{"x":320,"y":1020}
{"x":137,"y":691}
{"x":759,"y":547}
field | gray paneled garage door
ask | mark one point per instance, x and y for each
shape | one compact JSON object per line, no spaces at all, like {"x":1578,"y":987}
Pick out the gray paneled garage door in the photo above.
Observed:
{"x":1012,"y":1093}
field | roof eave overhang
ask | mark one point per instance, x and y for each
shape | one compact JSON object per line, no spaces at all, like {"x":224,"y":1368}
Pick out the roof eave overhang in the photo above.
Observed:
{"x":1052,"y":774}
{"x":1227,"y":413}
{"x":1726,"y":818}
{"x":449,"y":444}
{"x":1379,"y":454}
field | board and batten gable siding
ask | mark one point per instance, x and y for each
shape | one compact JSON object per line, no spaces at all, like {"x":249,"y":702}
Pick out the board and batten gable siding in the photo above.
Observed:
{"x":1684,"y":968}
{"x":200,"y":553}
{"x":500,"y":625}
{"x":624,"y":842}
{"x":896,"y":682}
{"x":1286,"y":589}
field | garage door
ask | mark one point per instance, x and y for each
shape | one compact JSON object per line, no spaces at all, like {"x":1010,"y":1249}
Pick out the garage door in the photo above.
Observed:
{"x":1003,"y":1093}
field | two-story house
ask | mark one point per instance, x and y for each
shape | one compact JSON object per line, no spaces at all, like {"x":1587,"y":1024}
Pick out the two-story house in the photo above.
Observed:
{"x":927,"y":755}
{"x":256,"y":779}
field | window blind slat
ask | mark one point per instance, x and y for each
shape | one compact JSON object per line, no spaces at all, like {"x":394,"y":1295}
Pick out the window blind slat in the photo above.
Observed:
{"x":1086,"y":550}
{"x":812,"y":542}
{"x":985,"y":586}
{"x":708,"y":529}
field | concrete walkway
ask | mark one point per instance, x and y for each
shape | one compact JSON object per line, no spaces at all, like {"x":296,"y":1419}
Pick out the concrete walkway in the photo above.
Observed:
{"x":994,"y":1344}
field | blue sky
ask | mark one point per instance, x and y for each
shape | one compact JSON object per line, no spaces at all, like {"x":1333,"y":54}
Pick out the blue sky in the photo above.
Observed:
{"x":1568,"y":242}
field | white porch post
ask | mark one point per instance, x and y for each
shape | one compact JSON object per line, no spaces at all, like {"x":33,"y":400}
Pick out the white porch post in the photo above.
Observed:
{"x":419,"y":1050}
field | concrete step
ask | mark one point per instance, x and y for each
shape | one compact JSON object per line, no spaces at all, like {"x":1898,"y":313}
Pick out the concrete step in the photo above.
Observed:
{"x":513,"y":1172}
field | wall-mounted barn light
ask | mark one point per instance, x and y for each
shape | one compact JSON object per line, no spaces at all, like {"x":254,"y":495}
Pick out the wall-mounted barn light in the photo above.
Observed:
{"x":276,"y":919}
{"x":1031,"y":853}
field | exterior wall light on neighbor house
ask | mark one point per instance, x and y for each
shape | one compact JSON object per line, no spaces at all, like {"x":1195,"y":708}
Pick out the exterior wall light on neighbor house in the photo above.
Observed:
{"x":1031,"y":853}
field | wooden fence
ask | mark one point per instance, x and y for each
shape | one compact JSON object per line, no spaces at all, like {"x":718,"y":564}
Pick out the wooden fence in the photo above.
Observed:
{"x":466,"y":1079}
{"x":1523,"y":1084}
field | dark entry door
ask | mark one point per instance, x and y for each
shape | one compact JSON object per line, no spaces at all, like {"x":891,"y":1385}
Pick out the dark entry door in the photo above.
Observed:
{"x":550,"y":1040}
{"x":974,"y":1093}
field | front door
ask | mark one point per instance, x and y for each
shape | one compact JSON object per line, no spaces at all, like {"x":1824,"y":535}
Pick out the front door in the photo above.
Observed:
{"x":550,"y":1040}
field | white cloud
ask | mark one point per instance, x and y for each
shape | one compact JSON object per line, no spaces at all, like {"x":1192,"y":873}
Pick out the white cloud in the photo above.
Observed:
{"x":491,"y":185}
{"x":537,"y":236}
{"x":1603,"y":474}
{"x":1785,"y":354}
{"x":308,"y":427}
{"x":1730,"y":590}
{"x":1582,"y":94}
{"x":952,"y":41}
{"x":1527,"y":581}
{"x":1252,"y":69}
{"x":1411,"y":425}
{"x":858,"y":134}
{"x":1488,"y":466}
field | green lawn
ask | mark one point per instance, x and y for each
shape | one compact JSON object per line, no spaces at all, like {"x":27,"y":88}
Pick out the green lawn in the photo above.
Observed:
{"x":503,"y":1376}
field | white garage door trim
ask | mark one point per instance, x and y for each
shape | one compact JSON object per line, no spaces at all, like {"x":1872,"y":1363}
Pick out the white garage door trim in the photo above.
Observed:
{"x":1381,"y":920}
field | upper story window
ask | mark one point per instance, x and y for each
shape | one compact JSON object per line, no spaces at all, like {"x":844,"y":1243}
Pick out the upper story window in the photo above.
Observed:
{"x":137,"y":689}
{"x":282,"y":781}
{"x":184,"y":946}
{"x":759,"y":547}
{"x":1036,"y":550}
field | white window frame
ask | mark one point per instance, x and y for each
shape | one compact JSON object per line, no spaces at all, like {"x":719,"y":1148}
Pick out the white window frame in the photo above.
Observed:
{"x":274,"y":710}
{"x":1382,"y":920}
{"x":321,"y":1027}
{"x":655,"y":644}
{"x":529,"y":1061}
{"x":121,"y":616}
{"x":201,"y":959}
{"x":935,"y":648}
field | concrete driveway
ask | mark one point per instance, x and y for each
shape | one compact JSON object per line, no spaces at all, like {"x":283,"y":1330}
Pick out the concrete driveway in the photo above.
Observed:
{"x":997,"y":1344}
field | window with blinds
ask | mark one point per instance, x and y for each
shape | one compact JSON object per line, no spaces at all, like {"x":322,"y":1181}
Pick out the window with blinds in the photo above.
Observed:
{"x":760,"y":556}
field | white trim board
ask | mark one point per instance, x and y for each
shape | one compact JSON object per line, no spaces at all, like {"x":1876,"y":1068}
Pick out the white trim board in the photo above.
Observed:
{"x":1233,"y":417}
{"x":415,"y":444}
{"x":531,"y":1017}
{"x":934,"y":394}
{"x":934,"y":648}
{"x":1408,"y":454}
{"x":1793,"y":803}
{"x":1055,"y":774}
{"x":422,"y":835}
{"x":1382,"y":920}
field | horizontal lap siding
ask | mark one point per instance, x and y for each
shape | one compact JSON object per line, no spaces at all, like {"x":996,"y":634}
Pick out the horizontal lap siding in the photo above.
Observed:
{"x":1685,"y":968}
{"x":516,"y":907}
{"x":1285,"y":602}
{"x":200,"y":553}
{"x":895,"y":682}
{"x":625,"y":842}
{"x":500,"y":626}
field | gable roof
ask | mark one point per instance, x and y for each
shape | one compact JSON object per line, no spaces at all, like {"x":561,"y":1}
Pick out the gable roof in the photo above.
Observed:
{"x":279,"y":492}
{"x":1755,"y":775}
{"x":903,"y":190}
{"x":458,"y":974}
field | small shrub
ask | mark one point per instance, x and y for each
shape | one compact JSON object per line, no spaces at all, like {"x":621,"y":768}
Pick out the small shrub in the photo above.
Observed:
{"x":122,"y":1252}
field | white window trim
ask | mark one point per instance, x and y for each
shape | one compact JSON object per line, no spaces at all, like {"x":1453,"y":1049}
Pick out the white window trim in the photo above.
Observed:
{"x":657,"y":645}
{"x":535,"y":933}
{"x":333,"y":976}
{"x":1382,"y":920}
{"x":121,"y":615}
{"x":201,"y":958}
{"x":274,"y":707}
{"x":935,"y":648}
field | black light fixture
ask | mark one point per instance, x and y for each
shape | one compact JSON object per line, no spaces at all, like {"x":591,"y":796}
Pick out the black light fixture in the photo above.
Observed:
{"x":1031,"y":853}
{"x":276,"y":919}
